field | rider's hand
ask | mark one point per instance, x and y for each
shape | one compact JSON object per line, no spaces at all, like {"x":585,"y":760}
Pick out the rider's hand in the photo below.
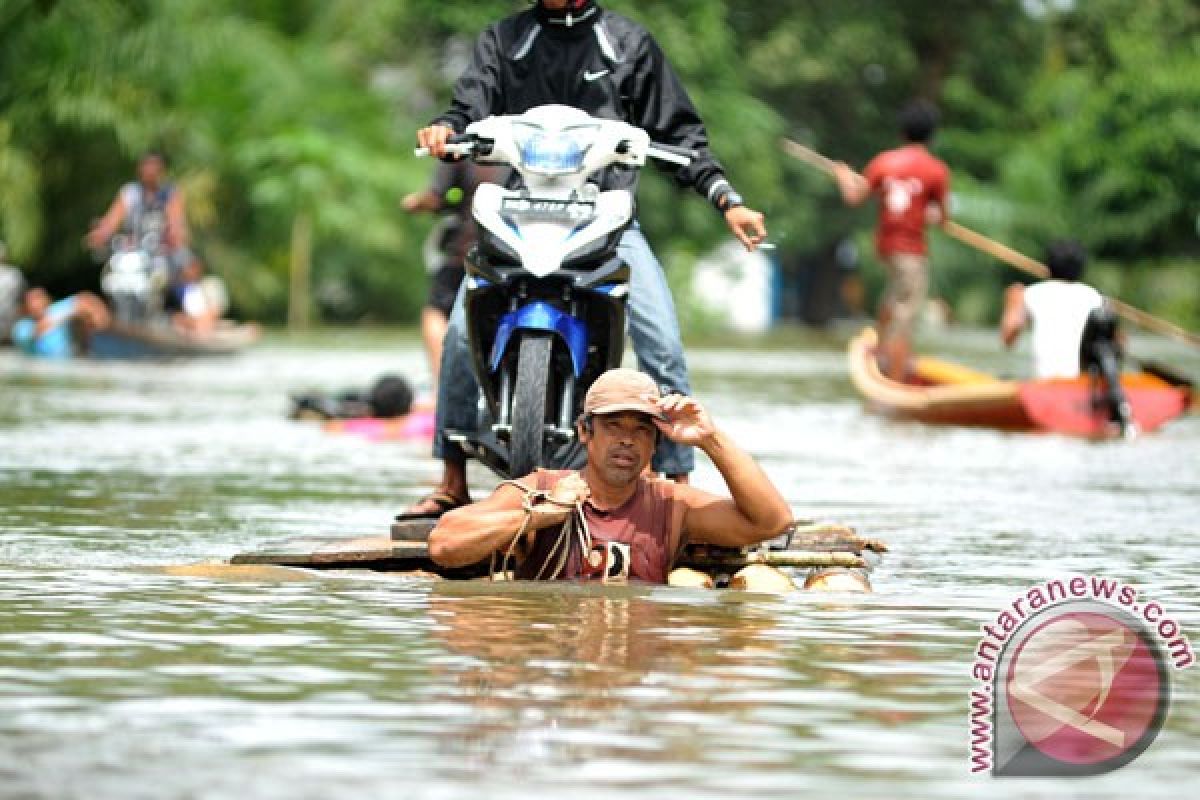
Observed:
{"x":570,"y":490}
{"x":687,"y":421}
{"x":434,"y":137}
{"x":747,"y":225}
{"x":96,"y":240}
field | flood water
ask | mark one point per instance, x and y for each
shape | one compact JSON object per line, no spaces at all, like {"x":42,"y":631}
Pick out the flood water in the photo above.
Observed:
{"x":118,"y":680}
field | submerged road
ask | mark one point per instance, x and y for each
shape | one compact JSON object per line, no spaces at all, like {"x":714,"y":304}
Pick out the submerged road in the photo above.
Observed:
{"x":118,"y":679}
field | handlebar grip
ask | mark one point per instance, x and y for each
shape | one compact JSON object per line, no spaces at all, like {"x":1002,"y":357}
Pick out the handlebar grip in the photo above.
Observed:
{"x":464,"y":148}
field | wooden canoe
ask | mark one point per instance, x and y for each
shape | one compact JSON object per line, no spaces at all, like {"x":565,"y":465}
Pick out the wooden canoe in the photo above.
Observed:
{"x":123,"y":341}
{"x":944,"y":393}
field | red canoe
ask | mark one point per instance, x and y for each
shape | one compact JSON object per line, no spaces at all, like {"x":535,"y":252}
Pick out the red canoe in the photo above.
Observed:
{"x":948,"y":394}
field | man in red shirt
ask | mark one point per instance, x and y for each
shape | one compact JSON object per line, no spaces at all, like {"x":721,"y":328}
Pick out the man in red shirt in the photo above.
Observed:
{"x":912,"y":187}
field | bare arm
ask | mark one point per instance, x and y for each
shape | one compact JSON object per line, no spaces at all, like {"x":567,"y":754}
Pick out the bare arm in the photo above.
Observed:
{"x":854,"y":187}
{"x":421,"y":201}
{"x":108,"y":225}
{"x":1012,"y":322}
{"x":470,"y":534}
{"x":755,"y":509}
{"x":177,"y":229}
{"x":938,"y":210}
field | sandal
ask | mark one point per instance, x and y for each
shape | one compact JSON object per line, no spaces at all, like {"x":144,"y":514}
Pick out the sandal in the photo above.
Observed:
{"x":432,"y":506}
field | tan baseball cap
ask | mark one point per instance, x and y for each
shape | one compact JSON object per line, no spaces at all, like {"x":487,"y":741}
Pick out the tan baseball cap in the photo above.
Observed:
{"x":623,"y":390}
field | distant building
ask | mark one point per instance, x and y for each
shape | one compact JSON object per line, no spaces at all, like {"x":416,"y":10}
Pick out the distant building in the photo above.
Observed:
{"x":737,"y":288}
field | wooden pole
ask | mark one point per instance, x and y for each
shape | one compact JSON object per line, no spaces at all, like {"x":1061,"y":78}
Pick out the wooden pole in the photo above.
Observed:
{"x":998,"y":251}
{"x":1004,"y":253}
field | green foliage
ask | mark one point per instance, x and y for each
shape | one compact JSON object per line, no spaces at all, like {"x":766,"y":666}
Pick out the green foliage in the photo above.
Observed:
{"x":1078,"y":119}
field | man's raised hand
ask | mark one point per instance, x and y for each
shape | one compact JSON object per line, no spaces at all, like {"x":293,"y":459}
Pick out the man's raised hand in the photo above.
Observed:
{"x":687,"y":421}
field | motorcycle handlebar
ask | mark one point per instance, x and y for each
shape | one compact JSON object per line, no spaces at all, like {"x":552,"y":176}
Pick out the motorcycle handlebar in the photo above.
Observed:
{"x":458,"y":144}
{"x":675,"y":155}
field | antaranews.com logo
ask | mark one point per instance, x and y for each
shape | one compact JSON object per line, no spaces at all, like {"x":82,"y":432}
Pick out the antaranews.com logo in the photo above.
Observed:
{"x":1072,"y":678}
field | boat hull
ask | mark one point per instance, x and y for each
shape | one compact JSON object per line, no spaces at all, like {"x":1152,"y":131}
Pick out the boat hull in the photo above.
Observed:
{"x":123,"y":341}
{"x":951,"y":395}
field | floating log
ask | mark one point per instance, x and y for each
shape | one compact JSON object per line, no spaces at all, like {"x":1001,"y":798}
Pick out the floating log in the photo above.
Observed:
{"x":726,"y":560}
{"x":761,"y":578}
{"x":826,"y":536}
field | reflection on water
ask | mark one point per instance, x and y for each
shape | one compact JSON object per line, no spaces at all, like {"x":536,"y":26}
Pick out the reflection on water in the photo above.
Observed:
{"x":118,"y":679}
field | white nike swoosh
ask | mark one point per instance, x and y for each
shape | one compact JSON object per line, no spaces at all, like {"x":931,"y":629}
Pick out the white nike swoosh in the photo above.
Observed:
{"x":591,"y":76}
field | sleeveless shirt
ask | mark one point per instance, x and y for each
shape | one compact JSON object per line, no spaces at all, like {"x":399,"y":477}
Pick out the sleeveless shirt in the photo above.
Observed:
{"x":643,"y":522}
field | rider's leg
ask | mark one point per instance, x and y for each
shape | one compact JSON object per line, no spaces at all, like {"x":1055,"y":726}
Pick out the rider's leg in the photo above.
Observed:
{"x":457,"y":396}
{"x":443,"y":291}
{"x":433,"y":331}
{"x":654,"y":329}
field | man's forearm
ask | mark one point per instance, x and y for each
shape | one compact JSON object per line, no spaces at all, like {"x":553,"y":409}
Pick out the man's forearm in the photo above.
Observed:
{"x":852,"y":186}
{"x":467,"y":536}
{"x":749,"y":487}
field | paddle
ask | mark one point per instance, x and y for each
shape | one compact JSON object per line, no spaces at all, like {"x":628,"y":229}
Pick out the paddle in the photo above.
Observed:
{"x":1006,"y":254}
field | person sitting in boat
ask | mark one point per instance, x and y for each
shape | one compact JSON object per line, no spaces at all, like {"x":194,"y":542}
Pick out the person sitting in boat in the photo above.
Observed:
{"x":612,"y":520}
{"x":1057,"y":310}
{"x":196,"y":302}
{"x":50,"y":329}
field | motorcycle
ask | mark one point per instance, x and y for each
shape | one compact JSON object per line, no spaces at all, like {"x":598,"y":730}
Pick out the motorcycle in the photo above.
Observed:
{"x":545,"y":287}
{"x":135,"y":278}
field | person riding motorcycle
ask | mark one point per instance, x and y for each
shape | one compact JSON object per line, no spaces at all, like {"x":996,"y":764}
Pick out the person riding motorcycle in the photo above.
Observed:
{"x":576,"y":53}
{"x":151,"y":204}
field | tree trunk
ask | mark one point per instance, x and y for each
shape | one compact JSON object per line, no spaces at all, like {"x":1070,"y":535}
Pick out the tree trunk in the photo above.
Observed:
{"x":299,"y":294}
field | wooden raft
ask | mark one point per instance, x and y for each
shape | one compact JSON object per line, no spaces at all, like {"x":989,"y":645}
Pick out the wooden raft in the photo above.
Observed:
{"x":809,"y":545}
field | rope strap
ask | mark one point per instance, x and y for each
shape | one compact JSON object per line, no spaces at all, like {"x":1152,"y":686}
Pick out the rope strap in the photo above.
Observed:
{"x":574,"y":527}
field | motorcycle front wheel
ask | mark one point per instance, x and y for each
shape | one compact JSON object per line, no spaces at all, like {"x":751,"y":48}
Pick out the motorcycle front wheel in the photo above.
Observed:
{"x":529,"y":404}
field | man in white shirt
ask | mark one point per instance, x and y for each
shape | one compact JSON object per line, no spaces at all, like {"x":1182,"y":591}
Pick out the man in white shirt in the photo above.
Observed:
{"x":1057,"y":309}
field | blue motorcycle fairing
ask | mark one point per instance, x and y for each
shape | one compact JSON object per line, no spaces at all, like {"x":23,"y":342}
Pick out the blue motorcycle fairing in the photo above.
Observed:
{"x":542,"y":316}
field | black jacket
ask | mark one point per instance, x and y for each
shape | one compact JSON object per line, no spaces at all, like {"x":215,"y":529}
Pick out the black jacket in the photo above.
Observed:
{"x":604,"y":64}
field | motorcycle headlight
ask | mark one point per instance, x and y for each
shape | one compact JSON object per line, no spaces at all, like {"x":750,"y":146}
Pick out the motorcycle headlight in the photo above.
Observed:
{"x":557,"y":152}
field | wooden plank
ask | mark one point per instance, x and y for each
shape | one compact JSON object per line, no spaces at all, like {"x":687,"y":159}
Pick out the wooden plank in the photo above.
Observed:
{"x":384,"y":553}
{"x":412,"y":530}
{"x":805,"y":535}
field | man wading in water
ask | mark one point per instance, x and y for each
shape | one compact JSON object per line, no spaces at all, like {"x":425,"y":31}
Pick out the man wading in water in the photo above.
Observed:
{"x":610,"y":520}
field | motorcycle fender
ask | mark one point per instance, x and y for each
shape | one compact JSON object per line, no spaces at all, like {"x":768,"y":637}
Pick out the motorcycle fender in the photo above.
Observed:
{"x":541,"y":316}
